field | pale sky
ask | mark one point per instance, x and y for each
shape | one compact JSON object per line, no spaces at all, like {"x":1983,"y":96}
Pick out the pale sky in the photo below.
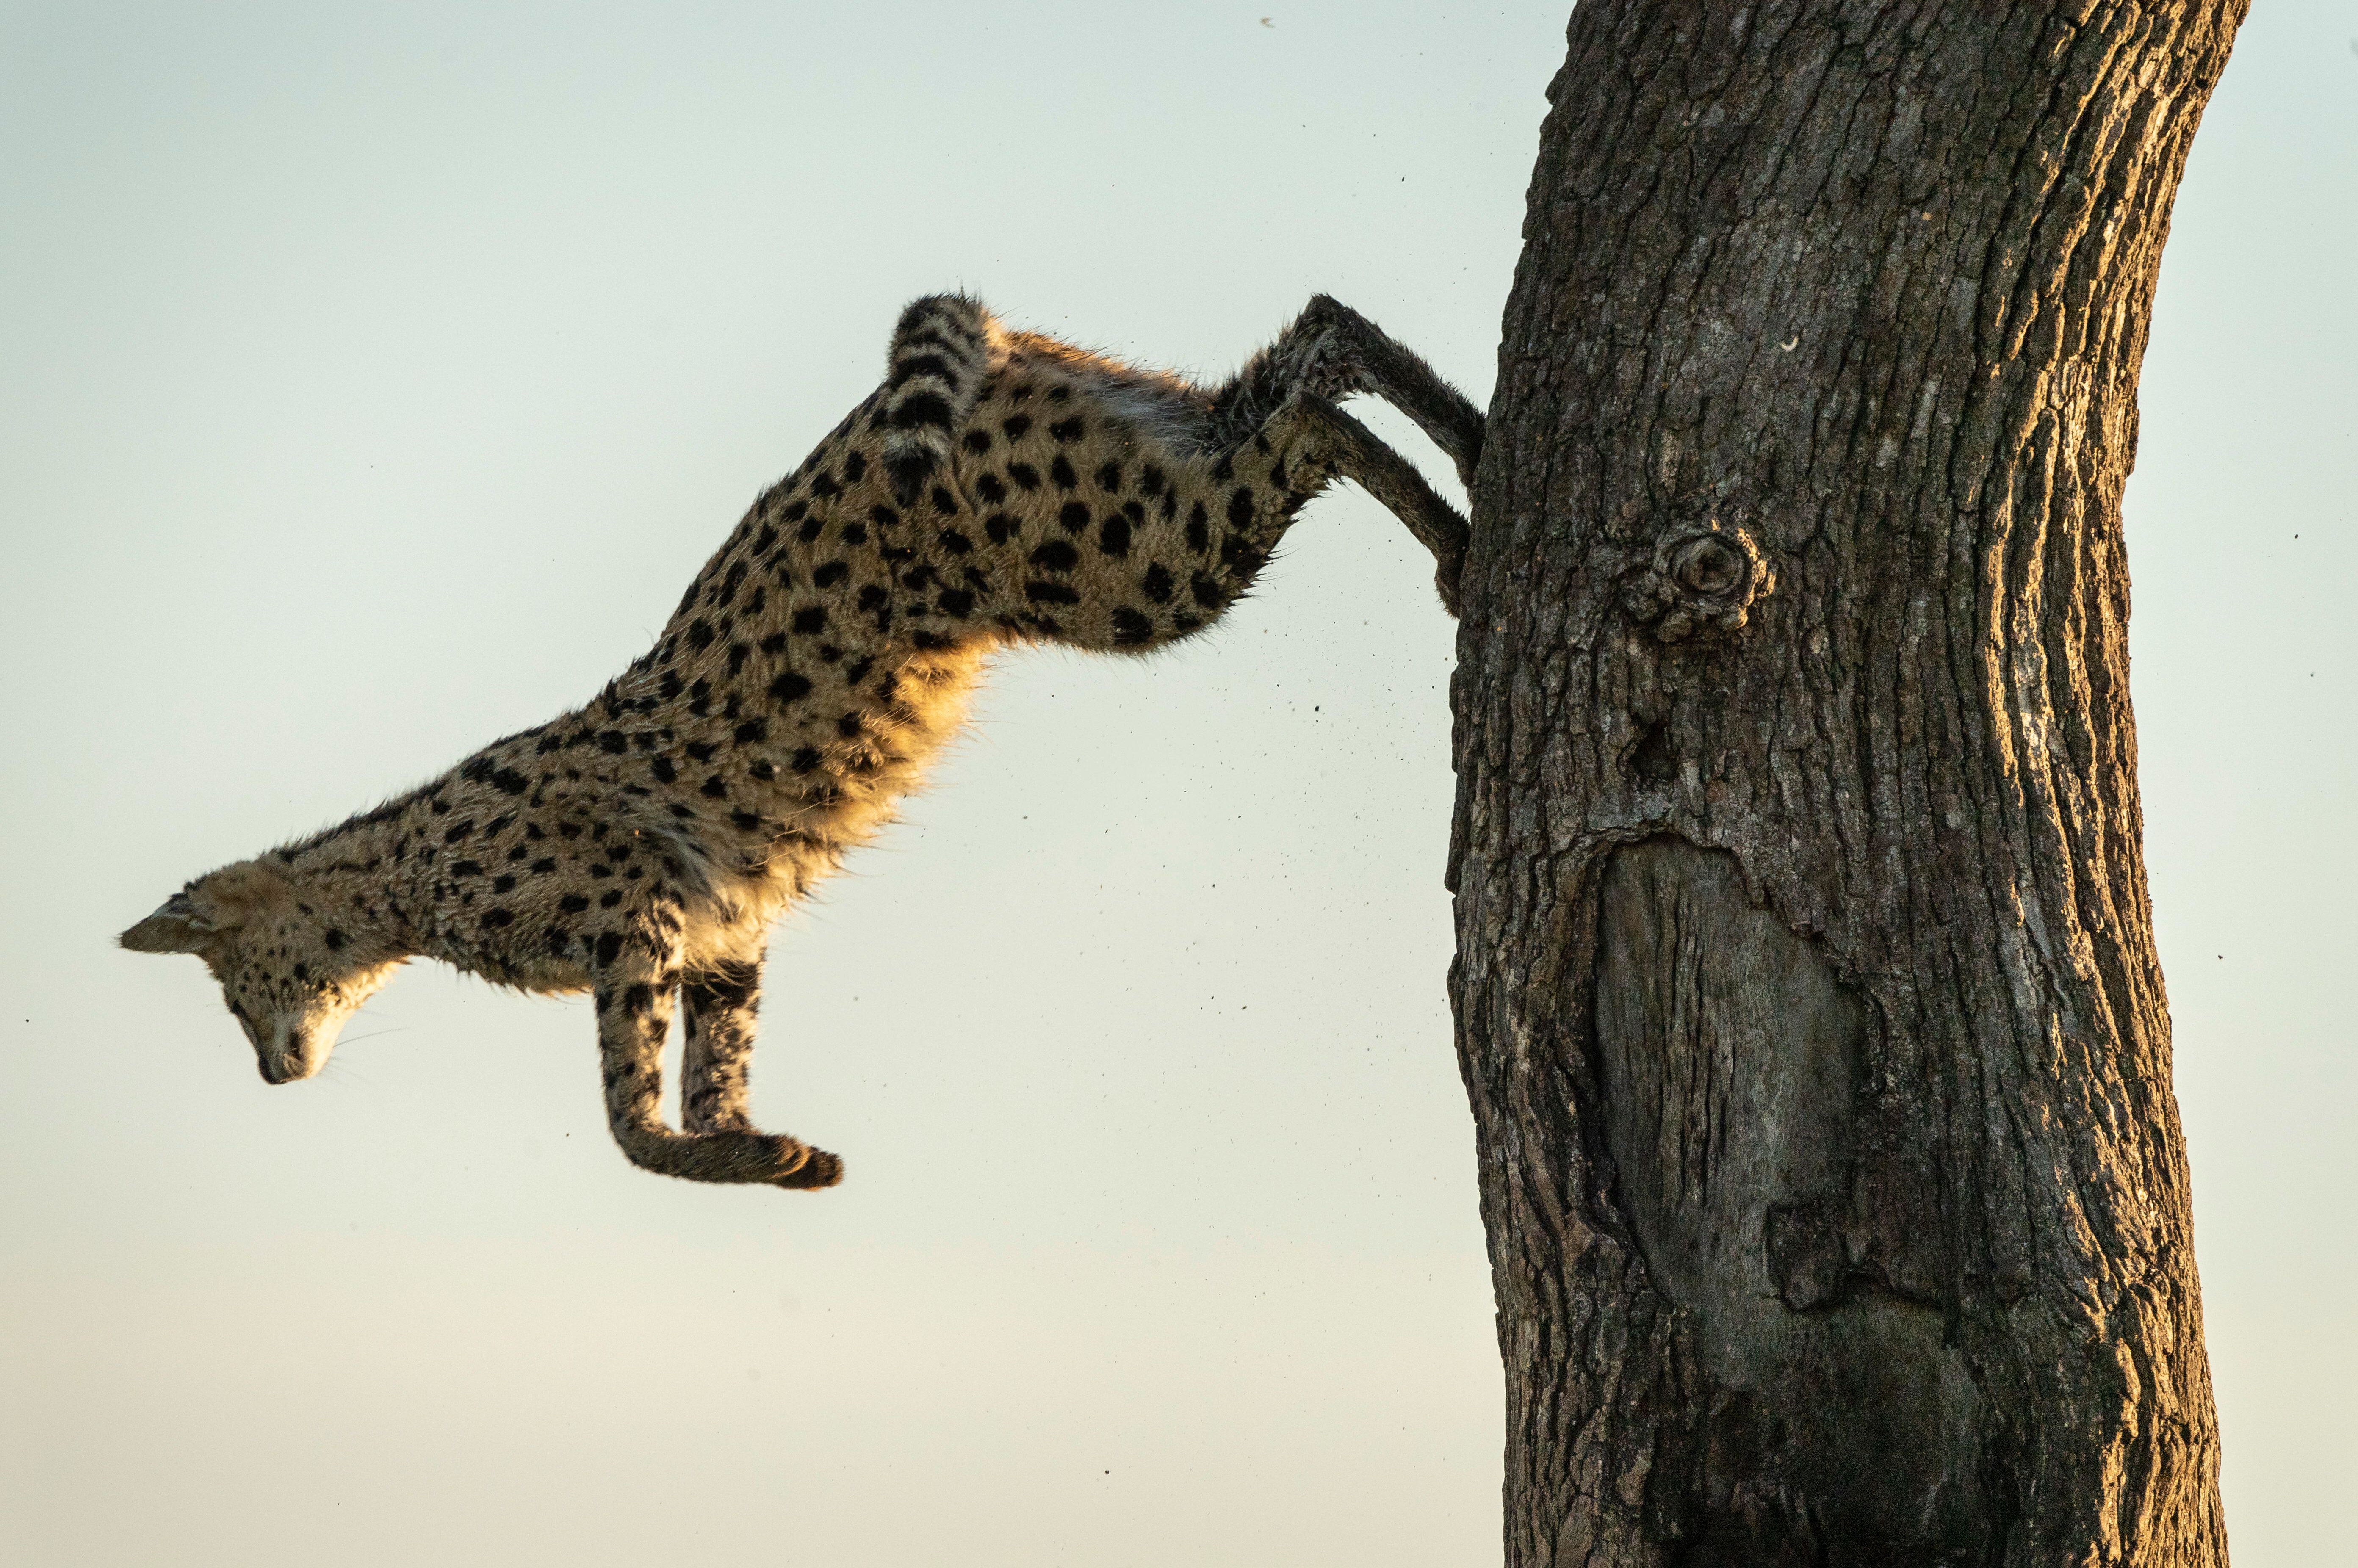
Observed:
{"x":376,"y":377}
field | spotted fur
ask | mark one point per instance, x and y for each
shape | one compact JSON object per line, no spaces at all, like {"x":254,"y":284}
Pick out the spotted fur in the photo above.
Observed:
{"x":1000,"y":487}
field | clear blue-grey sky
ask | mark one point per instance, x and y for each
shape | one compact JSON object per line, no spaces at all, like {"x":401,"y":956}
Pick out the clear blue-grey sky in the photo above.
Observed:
{"x":374,"y":379}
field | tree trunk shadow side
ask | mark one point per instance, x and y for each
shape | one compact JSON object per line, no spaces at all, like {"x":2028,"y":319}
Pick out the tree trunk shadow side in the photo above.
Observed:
{"x":1828,"y":1419}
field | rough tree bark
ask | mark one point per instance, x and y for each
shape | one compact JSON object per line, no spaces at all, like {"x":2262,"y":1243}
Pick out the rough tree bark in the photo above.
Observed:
{"x":1806,"y":995}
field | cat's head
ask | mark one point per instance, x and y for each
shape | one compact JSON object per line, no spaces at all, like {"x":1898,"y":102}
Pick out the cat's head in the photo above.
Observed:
{"x":289,"y":976}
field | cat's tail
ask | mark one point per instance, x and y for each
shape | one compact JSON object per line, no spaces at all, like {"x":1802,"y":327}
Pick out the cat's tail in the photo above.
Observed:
{"x":941,"y":354}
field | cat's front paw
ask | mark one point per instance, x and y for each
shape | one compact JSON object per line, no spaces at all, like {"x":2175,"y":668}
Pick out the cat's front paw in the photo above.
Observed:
{"x":808,"y":1168}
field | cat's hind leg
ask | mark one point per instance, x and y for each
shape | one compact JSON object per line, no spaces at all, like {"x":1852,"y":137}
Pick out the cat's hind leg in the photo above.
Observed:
{"x":1326,"y":442}
{"x":1331,"y":352}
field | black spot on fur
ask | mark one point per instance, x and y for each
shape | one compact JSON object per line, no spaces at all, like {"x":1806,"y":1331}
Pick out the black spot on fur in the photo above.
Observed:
{"x":922,"y":408}
{"x":507,"y":781}
{"x":908,"y":471}
{"x":1129,"y":627}
{"x":919,"y":364}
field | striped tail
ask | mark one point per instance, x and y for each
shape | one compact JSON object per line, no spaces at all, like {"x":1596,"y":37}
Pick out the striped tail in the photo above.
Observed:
{"x":941,"y":354}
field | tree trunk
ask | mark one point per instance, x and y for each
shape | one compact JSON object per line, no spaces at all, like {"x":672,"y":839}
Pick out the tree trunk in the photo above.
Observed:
{"x":1806,"y":995}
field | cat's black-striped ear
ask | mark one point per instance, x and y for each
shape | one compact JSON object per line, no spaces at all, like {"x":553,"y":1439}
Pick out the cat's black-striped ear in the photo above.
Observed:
{"x":940,"y":357}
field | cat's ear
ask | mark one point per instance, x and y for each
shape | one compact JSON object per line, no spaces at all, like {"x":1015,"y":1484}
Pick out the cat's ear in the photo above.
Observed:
{"x":237,"y":892}
{"x":175,"y":927}
{"x":205,"y":913}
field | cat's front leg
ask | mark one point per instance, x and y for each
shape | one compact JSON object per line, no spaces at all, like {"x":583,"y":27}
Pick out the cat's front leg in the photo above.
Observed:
{"x":634,"y":983}
{"x":719,"y":1002}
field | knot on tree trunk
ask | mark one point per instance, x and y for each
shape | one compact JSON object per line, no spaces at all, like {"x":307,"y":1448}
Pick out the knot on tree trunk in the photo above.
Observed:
{"x":1704,"y":574}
